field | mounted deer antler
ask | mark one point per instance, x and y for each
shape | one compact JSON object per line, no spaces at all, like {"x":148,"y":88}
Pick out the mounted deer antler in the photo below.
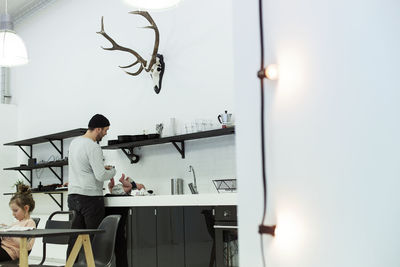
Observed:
{"x":156,"y":64}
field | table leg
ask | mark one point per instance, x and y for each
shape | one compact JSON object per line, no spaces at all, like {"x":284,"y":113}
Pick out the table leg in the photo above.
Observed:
{"x":85,"y":240}
{"x":74,"y":252}
{"x":23,"y":253}
{"x":87,"y":246}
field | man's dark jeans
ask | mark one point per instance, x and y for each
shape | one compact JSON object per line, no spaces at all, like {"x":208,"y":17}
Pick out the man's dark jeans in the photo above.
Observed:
{"x":89,"y":213}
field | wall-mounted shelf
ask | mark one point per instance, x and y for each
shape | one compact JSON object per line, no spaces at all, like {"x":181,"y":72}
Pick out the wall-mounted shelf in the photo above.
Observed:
{"x":42,"y":192}
{"x":50,"y":193}
{"x":50,"y":165}
{"x":177,"y":140}
{"x":47,"y":138}
{"x":51,"y":138}
{"x":58,"y":163}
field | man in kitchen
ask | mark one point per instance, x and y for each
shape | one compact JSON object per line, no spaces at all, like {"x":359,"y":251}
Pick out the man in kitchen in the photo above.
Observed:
{"x":87,"y":174}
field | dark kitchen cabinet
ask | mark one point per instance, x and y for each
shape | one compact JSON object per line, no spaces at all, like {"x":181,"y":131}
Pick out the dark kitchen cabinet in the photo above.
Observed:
{"x":170,"y":237}
{"x":156,"y":237}
{"x":142,"y":237}
{"x":199,"y":237}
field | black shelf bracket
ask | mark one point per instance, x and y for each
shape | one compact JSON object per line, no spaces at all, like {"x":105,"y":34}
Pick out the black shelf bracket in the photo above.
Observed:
{"x":58,"y":150}
{"x":61,"y":203}
{"x":181,"y":149}
{"x":131,"y":156}
{"x":56,"y":174}
{"x":26,"y":178}
{"x":26,"y":153}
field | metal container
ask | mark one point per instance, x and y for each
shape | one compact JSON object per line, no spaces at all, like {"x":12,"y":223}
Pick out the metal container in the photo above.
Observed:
{"x":177,"y":186}
{"x":31,"y":162}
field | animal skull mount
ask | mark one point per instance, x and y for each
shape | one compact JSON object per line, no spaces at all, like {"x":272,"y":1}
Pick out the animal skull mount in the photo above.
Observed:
{"x":155,"y":66}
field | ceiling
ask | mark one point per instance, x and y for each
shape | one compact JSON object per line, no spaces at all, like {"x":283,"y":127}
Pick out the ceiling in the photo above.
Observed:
{"x":20,"y":8}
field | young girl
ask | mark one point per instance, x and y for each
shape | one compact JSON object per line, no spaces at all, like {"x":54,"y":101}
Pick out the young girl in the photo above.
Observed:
{"x":21,"y":205}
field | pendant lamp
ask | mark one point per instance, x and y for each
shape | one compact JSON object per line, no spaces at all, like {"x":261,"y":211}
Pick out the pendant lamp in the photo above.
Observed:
{"x":153,"y":4}
{"x":12,"y":48}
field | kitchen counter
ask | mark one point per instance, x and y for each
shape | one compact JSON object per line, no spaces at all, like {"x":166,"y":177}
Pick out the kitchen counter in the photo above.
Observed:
{"x":172,"y":200}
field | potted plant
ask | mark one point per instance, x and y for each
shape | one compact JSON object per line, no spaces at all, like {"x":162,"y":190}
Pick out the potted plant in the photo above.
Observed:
{"x":17,"y":183}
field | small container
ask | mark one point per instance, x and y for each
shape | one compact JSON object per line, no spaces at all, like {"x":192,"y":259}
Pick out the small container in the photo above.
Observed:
{"x":31,"y":162}
{"x":177,"y":186}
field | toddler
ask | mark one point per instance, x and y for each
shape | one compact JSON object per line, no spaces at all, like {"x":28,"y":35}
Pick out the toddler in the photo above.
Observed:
{"x":21,"y":205}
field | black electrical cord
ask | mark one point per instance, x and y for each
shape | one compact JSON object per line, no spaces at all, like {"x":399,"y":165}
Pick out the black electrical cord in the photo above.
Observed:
{"x":263,"y":229}
{"x":264,"y":178}
{"x":262,"y":112}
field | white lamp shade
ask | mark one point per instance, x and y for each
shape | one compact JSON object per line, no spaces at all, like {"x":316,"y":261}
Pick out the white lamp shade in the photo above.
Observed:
{"x":12,"y":49}
{"x":152,"y":4}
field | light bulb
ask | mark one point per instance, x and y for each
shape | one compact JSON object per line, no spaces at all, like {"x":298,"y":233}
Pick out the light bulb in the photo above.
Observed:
{"x":12,"y":49}
{"x":272,"y":72}
{"x":290,"y":231}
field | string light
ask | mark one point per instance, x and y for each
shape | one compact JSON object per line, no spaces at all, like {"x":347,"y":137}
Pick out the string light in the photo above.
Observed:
{"x":272,"y":72}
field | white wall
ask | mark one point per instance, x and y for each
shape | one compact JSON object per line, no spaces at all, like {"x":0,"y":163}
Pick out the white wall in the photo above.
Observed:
{"x":8,"y":157}
{"x":70,"y":78}
{"x":332,"y":132}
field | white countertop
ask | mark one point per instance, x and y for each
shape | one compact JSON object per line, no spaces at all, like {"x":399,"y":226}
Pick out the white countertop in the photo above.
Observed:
{"x":172,"y":200}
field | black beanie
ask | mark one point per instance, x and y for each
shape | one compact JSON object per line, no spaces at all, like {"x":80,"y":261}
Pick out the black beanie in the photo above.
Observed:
{"x":98,"y":121}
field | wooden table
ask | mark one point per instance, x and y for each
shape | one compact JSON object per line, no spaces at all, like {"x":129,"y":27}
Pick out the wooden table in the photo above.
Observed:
{"x":82,"y":239}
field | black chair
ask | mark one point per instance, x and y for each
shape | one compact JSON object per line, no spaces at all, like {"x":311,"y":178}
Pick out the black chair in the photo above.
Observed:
{"x":55,"y":224}
{"x":36,"y":220}
{"x":103,"y":243}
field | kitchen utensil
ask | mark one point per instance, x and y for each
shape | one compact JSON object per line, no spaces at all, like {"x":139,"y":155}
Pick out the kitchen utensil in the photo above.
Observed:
{"x":191,"y":187}
{"x":225,"y":119}
{"x":177,"y":186}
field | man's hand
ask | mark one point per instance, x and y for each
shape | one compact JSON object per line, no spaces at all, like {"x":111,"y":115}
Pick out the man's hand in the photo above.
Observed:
{"x":126,"y":184}
{"x":111,"y":184}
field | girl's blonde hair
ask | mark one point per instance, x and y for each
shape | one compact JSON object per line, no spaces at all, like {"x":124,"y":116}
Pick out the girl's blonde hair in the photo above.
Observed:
{"x":23,"y":197}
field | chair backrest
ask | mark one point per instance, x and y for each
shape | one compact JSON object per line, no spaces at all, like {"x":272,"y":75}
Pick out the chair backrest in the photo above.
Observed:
{"x":55,"y":224}
{"x":36,"y":220}
{"x":103,"y":243}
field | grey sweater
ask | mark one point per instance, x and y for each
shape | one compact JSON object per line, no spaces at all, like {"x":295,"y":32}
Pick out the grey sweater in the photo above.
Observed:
{"x":86,"y":168}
